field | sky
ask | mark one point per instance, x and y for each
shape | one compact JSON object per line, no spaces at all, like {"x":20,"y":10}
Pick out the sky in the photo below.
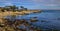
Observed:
{"x":33,"y":4}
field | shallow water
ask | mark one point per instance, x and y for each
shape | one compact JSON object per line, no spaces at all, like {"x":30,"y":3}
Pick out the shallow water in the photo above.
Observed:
{"x":48,"y":19}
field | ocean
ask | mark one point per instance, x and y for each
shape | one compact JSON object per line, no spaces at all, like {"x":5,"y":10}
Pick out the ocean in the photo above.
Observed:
{"x":47,"y":19}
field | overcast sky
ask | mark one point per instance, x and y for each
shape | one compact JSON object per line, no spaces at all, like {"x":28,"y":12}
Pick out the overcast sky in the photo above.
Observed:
{"x":33,"y":4}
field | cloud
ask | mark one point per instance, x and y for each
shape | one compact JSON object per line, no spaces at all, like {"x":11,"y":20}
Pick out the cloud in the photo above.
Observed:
{"x":51,"y":5}
{"x":8,"y":3}
{"x":47,"y":1}
{"x":4,"y":1}
{"x":36,"y":0}
{"x":11,"y":1}
{"x":38,"y":3}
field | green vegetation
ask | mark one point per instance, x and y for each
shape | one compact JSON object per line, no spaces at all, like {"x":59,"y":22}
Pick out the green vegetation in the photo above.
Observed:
{"x":12,"y":8}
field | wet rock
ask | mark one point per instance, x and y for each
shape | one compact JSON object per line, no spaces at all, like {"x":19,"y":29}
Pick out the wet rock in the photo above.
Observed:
{"x":58,"y":18}
{"x":1,"y":25}
{"x":43,"y":21}
{"x":34,"y":17}
{"x":33,"y":20}
{"x":26,"y":24}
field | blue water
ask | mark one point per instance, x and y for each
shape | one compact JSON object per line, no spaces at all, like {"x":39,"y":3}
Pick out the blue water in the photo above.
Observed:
{"x":51,"y":19}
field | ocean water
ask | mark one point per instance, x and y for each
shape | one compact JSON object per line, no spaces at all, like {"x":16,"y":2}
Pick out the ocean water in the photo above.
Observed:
{"x":51,"y":19}
{"x":48,"y":19}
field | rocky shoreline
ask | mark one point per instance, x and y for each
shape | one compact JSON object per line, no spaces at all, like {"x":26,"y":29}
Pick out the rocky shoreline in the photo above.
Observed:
{"x":7,"y":25}
{"x":19,"y":13}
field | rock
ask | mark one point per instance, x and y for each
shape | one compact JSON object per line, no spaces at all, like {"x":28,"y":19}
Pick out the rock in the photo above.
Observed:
{"x":58,"y":18}
{"x":33,"y":20}
{"x":43,"y":21}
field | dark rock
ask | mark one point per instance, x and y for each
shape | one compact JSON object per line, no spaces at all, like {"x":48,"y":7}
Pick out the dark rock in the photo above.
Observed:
{"x":33,"y":20}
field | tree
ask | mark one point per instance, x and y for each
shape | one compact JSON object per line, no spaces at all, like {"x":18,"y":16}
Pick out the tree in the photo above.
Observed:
{"x":25,"y":8}
{"x":13,"y":8}
{"x":22,"y":7}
